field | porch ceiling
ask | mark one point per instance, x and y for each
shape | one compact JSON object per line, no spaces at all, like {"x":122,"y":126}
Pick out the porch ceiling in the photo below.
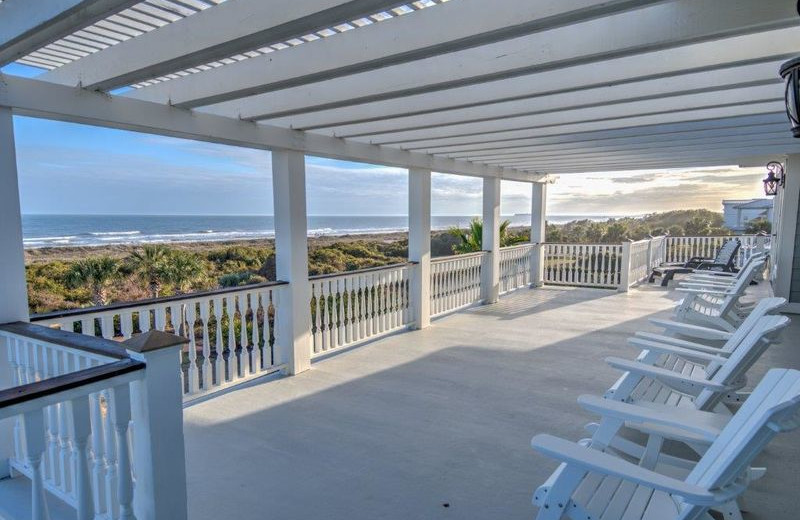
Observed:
{"x":511,"y":89}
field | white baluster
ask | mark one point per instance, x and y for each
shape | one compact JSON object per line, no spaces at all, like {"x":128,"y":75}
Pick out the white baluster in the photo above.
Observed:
{"x":255,"y":304}
{"x":98,"y":454}
{"x":316,"y":322}
{"x":230,"y":308}
{"x":242,"y":303}
{"x":205,"y":376}
{"x":79,"y":432}
{"x":191,"y":317}
{"x":33,"y":446}
{"x":121,"y":417}
{"x":109,"y":441}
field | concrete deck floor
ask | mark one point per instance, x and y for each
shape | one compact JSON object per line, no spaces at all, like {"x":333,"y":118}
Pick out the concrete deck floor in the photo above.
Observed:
{"x":437,"y":423}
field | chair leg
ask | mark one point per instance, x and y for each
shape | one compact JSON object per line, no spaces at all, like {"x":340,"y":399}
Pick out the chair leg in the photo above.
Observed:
{"x":666,"y":277}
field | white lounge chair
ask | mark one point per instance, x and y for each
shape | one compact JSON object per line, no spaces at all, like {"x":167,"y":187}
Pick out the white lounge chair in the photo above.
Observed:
{"x":710,"y":336}
{"x":698,"y":379}
{"x":593,"y":485}
{"x":719,"y":308}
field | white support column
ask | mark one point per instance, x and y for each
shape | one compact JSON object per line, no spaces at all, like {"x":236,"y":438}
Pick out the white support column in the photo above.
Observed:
{"x":293,"y":322}
{"x":13,"y":290}
{"x":787,"y":227}
{"x":625,"y":267}
{"x":157,"y":415}
{"x":490,"y":279}
{"x":538,"y":231}
{"x":419,"y":243}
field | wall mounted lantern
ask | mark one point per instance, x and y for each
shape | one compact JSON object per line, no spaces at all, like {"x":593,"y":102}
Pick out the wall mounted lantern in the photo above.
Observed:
{"x":775,"y":178}
{"x":790,"y":72}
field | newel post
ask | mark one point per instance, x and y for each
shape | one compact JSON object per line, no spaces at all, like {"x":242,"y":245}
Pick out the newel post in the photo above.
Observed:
{"x":14,"y":301}
{"x":419,"y":244}
{"x":157,"y":415}
{"x":625,"y":267}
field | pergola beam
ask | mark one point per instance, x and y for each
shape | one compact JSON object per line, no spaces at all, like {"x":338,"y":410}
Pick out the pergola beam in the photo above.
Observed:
{"x":679,"y":151}
{"x":48,"y":100}
{"x":26,"y":26}
{"x":760,"y":108}
{"x":447,"y":28}
{"x":216,"y":33}
{"x":779,"y":136}
{"x":721,"y":126}
{"x":709,"y":157}
{"x":721,"y":81}
{"x":771,"y":90}
{"x":586,"y":49}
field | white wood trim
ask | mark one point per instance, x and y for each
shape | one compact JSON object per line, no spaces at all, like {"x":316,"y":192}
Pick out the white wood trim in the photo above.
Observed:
{"x":28,"y":26}
{"x":419,"y":244}
{"x":47,"y":100}
{"x":783,"y":256}
{"x":490,"y":273}
{"x":293,"y":341}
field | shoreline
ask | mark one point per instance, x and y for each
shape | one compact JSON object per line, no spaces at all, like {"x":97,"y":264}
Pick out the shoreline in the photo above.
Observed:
{"x":68,"y":253}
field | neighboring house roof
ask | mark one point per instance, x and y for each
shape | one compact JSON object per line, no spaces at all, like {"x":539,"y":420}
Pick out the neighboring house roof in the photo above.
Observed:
{"x":756,"y":204}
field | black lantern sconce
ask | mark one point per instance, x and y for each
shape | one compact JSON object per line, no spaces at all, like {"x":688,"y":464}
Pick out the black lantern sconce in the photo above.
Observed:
{"x":774,"y":179}
{"x":790,"y":72}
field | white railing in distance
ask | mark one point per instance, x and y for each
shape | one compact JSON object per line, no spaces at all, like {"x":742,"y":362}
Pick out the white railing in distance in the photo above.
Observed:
{"x":455,"y":282}
{"x":77,"y":449}
{"x":639,"y":265}
{"x":681,"y":249}
{"x":515,"y":267}
{"x":588,"y":265}
{"x":231,"y":332}
{"x":352,"y":307}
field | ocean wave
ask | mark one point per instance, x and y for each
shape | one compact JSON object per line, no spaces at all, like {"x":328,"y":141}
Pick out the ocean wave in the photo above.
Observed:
{"x":109,"y":233}
{"x":48,"y":239}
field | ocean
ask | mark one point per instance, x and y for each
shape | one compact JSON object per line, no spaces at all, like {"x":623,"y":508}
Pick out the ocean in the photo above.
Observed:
{"x":96,"y":230}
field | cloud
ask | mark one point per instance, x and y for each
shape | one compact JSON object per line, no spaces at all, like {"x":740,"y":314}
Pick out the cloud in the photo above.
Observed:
{"x":635,"y":179}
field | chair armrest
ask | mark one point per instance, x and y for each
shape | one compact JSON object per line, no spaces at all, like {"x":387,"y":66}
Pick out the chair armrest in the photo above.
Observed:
{"x":695,"y":331}
{"x":668,"y":340}
{"x":708,"y":266}
{"x":603,"y":463}
{"x":696,"y":259}
{"x":707,"y":425}
{"x":698,"y":290}
{"x":677,"y":381}
{"x":685,"y":353}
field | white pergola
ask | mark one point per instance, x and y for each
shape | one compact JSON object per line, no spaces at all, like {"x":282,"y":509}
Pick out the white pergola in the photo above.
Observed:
{"x":514,"y":89}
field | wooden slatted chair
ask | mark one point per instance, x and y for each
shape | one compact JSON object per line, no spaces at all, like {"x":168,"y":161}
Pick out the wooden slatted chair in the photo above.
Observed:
{"x":692,"y":377}
{"x":594,"y":485}
{"x":718,"y":307}
{"x":724,"y":261}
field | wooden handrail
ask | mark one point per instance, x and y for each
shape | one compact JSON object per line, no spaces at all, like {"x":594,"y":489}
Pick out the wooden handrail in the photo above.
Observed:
{"x":151,"y":301}
{"x":54,"y":385}
{"x":86,"y":343}
{"x":359,"y":271}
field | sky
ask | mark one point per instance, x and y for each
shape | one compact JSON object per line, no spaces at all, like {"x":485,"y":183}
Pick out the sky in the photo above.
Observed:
{"x":66,"y":168}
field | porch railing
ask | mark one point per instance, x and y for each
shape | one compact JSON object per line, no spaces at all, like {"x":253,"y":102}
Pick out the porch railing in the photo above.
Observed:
{"x":231,"y":332}
{"x":456,"y":282}
{"x":81,"y":424}
{"x":515,"y":267}
{"x":588,"y":265}
{"x":347,"y":308}
{"x":681,"y":249}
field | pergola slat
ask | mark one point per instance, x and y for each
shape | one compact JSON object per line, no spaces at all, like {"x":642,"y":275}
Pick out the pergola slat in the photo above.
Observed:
{"x":212,"y":34}
{"x":28,"y":26}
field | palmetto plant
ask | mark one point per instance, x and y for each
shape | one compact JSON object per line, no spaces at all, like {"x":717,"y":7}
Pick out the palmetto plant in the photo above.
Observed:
{"x":182,"y":270}
{"x":471,"y":239}
{"x":97,"y":274}
{"x":152,"y":264}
